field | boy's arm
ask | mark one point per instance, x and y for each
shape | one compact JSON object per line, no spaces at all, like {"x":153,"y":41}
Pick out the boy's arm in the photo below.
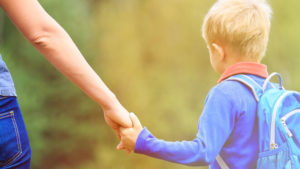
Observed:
{"x":215,"y":126}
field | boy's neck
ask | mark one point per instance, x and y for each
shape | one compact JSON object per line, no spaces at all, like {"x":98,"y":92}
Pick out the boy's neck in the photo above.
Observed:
{"x":229,"y":64}
{"x":236,"y":58}
{"x":245,"y":67}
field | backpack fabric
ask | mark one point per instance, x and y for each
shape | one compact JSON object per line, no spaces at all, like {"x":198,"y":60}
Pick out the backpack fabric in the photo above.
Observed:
{"x":278,"y":114}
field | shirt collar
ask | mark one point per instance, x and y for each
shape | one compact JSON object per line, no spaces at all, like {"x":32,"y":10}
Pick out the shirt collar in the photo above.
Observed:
{"x":245,"y":68}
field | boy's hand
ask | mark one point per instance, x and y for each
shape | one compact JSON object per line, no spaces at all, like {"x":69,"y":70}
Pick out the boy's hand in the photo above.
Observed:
{"x":130,"y":135}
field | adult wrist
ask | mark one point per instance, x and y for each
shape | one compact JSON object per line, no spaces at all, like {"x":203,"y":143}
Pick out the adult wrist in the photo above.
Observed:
{"x":111,"y":104}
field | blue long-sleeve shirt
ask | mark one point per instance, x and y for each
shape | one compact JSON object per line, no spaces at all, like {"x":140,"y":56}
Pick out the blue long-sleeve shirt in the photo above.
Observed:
{"x":227,"y":127}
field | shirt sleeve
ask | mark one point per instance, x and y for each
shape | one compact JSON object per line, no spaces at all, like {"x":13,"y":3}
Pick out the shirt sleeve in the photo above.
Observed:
{"x":215,"y":125}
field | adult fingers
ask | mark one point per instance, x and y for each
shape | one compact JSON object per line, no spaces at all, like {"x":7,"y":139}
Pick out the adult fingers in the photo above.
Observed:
{"x":117,"y":131}
{"x":135,"y":121}
{"x":124,"y":121}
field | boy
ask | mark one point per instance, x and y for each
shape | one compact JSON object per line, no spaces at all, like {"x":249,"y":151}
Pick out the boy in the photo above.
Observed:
{"x":236,"y":33}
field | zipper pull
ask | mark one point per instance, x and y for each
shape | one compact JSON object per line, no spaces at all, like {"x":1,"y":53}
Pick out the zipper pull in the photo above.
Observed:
{"x":273,"y":146}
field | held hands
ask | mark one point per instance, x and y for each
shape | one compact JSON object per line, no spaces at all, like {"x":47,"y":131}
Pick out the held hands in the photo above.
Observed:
{"x":130,"y":135}
{"x":117,"y":117}
{"x":126,"y":126}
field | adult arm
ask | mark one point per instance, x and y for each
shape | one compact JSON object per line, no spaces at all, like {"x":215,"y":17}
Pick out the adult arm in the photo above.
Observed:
{"x":52,"y":41}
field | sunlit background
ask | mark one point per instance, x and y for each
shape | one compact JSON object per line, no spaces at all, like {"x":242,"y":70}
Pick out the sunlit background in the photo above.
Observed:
{"x":150,"y":53}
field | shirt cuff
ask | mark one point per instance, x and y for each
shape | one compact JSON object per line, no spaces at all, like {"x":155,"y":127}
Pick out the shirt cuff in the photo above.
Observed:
{"x":141,"y":141}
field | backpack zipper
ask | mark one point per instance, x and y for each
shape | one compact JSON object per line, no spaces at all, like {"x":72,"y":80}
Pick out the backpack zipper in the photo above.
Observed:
{"x":273,"y":145}
{"x":286,"y":128}
{"x":285,"y":117}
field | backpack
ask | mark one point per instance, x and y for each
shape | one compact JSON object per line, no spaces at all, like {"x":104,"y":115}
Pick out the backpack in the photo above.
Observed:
{"x":278,"y":114}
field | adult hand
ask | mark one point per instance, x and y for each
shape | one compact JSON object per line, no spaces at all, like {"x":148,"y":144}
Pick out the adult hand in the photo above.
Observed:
{"x":116,"y":118}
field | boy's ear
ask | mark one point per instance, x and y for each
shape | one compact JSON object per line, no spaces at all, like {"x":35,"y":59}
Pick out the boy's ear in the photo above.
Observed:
{"x":219,"y":50}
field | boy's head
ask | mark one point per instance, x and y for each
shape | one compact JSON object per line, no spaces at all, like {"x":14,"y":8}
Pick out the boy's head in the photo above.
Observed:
{"x":237,"y":28}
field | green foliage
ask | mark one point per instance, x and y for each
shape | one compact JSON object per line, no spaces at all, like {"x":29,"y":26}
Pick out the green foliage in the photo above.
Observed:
{"x":61,"y":121}
{"x":150,"y":53}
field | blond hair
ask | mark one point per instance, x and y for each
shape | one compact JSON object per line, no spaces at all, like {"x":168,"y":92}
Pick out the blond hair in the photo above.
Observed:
{"x":243,"y":24}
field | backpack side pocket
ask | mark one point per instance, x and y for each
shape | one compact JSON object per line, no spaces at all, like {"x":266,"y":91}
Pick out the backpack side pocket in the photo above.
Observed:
{"x":277,"y":158}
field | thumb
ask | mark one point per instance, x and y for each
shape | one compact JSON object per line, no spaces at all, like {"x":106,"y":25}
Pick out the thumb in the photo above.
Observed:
{"x":134,"y":119}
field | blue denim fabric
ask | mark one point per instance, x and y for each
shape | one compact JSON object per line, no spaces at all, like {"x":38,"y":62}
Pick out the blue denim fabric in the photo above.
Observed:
{"x":6,"y":83}
{"x":15,"y":152}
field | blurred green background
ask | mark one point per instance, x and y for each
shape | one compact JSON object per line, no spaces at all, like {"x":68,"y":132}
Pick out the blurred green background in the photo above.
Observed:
{"x":150,"y":53}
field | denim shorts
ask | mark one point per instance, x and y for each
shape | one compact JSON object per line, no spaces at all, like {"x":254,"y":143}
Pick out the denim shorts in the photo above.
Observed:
{"x":15,"y":152}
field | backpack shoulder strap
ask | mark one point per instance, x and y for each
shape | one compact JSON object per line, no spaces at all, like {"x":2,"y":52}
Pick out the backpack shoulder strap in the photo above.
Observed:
{"x":255,"y":88}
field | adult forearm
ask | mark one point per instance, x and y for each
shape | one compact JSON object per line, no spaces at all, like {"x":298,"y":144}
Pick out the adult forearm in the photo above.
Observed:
{"x":56,"y":45}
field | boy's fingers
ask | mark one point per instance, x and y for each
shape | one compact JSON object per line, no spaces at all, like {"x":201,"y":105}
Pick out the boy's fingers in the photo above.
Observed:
{"x":120,"y":146}
{"x":135,"y":120}
{"x":128,"y":151}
